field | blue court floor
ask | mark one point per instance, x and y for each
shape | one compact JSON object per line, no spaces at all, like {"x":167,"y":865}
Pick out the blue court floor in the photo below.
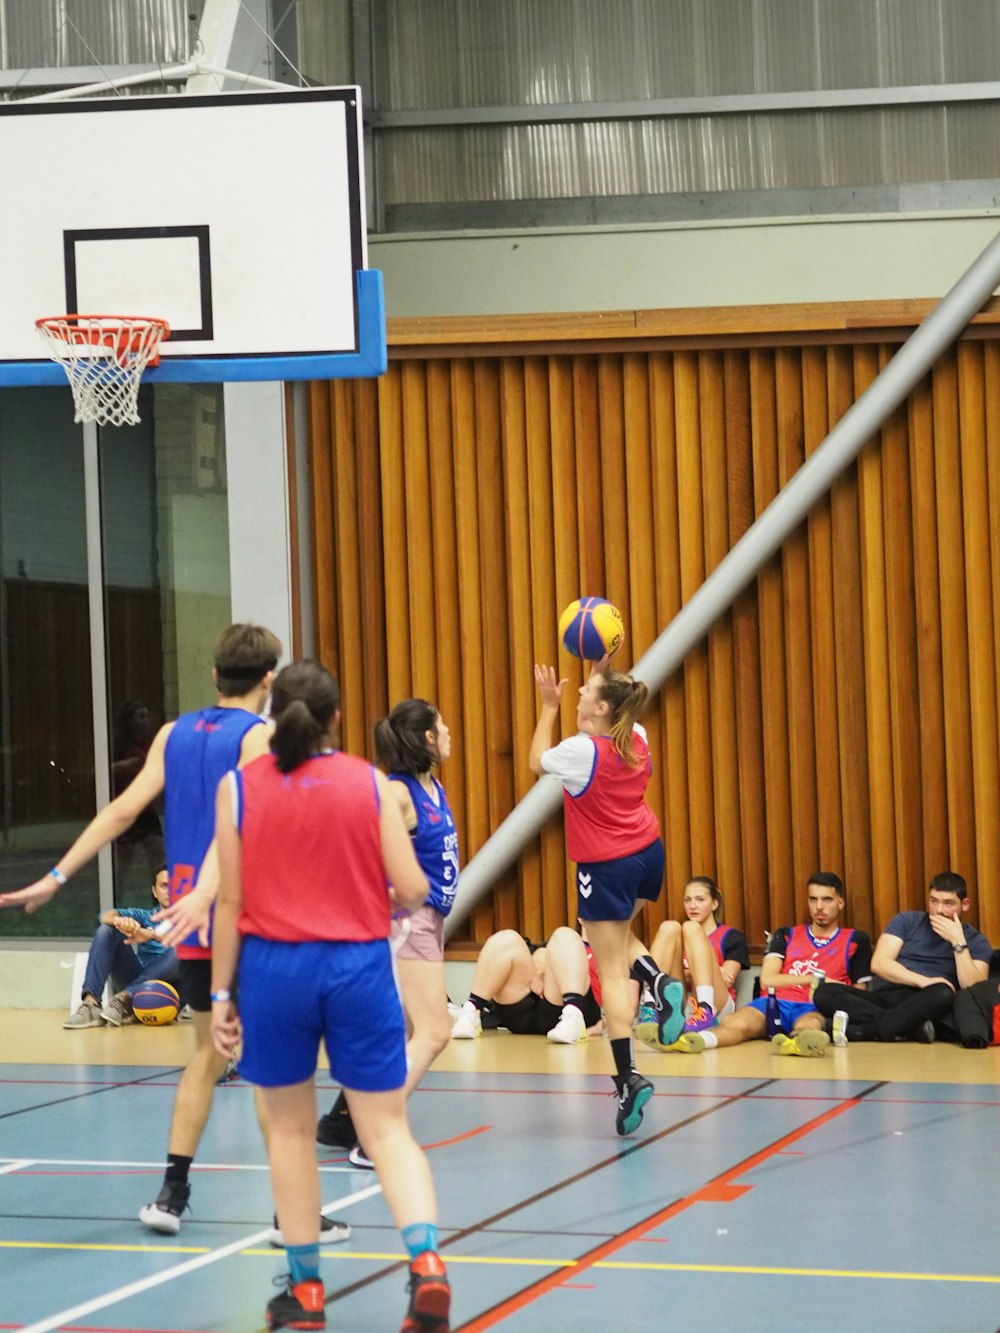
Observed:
{"x":758,"y":1194}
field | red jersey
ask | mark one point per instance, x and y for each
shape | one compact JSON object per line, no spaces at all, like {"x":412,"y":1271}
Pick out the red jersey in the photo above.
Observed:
{"x":807,"y":954}
{"x":610,"y":818}
{"x":312,"y":853}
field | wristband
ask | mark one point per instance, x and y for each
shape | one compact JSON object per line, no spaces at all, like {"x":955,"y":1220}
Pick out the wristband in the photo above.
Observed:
{"x":57,"y":875}
{"x":220,"y":996}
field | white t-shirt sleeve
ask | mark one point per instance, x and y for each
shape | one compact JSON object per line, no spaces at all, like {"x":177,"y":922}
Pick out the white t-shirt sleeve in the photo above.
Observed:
{"x":572,"y":762}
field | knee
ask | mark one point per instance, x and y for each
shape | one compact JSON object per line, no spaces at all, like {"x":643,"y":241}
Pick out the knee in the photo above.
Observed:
{"x":667,"y":935}
{"x":690,"y":930}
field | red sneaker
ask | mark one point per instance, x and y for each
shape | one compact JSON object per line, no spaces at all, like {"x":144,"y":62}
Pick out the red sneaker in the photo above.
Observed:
{"x":430,"y":1296}
{"x":302,"y":1306}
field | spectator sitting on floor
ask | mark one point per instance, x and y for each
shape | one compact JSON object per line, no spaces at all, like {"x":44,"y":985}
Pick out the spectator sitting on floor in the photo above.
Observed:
{"x":125,"y":948}
{"x":796,"y":957}
{"x":921,"y":960}
{"x":549,"y":989}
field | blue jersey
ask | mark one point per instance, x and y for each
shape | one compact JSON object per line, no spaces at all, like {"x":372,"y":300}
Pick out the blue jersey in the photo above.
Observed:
{"x":201,"y":748}
{"x":434,"y":841}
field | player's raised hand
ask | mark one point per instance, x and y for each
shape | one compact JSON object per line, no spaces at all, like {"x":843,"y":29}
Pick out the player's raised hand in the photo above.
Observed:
{"x":550,"y":687}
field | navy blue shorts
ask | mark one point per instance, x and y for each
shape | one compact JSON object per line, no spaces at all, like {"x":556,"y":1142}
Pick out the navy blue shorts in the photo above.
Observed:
{"x":293,"y":996}
{"x":609,"y":890}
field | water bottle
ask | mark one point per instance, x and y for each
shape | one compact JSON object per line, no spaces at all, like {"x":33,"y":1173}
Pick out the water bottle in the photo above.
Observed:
{"x":772,"y":1014}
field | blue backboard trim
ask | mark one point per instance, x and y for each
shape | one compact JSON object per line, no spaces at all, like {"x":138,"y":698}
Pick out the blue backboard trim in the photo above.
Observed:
{"x":370,"y":360}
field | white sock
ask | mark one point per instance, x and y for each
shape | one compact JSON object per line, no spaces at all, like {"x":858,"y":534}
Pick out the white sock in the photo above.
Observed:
{"x":705,"y":995}
{"x":710,"y":1040}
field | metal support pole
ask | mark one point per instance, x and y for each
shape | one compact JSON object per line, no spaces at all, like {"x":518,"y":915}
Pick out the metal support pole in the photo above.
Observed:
{"x":98,"y":657}
{"x":764,"y":537}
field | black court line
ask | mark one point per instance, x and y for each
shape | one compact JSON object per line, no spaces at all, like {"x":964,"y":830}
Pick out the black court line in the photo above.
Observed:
{"x":488,"y":1222}
{"x":519,"y":1298}
{"x":90,"y":1092}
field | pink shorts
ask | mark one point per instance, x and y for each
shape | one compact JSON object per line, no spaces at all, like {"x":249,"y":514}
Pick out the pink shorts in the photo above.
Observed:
{"x":425,"y":940}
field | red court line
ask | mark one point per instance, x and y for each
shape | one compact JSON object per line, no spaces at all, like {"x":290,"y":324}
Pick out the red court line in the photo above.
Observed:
{"x":721,"y":1187}
{"x":459,"y":1138}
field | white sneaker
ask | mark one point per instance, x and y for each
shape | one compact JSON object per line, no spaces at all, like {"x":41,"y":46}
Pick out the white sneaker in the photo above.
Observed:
{"x":570,"y":1029}
{"x":468,"y":1025}
{"x":840,"y":1028}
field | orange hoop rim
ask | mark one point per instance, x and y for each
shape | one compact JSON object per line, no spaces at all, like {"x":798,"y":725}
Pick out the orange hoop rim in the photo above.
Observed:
{"x":56,"y":324}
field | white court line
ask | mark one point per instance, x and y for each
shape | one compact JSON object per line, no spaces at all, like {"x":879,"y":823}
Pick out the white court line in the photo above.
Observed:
{"x":179,"y":1270}
{"x":201,"y":1169}
{"x":16,"y":1164}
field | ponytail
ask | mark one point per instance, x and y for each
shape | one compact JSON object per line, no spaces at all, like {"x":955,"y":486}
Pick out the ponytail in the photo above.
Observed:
{"x":303,"y":702}
{"x":627,"y":699}
{"x":401,"y":744}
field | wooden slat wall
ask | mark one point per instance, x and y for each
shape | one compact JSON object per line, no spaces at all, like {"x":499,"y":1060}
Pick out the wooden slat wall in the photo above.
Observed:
{"x":843,"y":715}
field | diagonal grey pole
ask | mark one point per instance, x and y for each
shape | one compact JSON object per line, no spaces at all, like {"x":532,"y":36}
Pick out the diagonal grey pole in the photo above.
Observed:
{"x":782,"y":516}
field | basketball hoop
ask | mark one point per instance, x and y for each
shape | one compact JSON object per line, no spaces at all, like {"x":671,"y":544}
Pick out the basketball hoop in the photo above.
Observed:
{"x":104,"y":357}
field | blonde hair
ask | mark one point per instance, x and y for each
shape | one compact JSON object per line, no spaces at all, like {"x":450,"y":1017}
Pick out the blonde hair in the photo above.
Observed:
{"x":626,"y":698}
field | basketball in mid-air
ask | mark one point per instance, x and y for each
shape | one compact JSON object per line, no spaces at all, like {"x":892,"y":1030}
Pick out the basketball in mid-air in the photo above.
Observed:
{"x":591,"y":627}
{"x":156,"y":1003}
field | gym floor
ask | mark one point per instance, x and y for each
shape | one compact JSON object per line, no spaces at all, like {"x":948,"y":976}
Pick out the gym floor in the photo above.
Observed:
{"x":760,"y":1193}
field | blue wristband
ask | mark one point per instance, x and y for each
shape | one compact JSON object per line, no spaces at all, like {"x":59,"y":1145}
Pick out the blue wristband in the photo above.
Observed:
{"x":220,"y":996}
{"x":57,"y":875}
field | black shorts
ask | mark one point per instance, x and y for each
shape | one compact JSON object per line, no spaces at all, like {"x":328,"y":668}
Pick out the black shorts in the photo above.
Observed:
{"x":535,"y":1016}
{"x":196,"y":983}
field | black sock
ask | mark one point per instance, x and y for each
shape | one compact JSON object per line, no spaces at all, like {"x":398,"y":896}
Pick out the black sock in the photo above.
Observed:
{"x":177,"y":1169}
{"x":621,"y":1051}
{"x":479,"y":1002}
{"x":644,"y":969}
{"x":571,"y":997}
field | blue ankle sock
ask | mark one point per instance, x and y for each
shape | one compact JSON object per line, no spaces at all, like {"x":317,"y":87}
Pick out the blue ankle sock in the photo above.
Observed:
{"x":420,"y":1237}
{"x":303,"y":1263}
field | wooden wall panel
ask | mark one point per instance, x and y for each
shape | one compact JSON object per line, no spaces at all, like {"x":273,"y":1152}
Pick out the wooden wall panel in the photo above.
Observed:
{"x":843,"y":715}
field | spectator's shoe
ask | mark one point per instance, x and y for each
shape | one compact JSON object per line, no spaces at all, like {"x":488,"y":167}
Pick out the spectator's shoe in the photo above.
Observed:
{"x":924,"y":1034}
{"x":300,"y":1306}
{"x":430,"y":1296}
{"x":336,"y":1128}
{"x":570,"y":1029}
{"x":230,"y":1072}
{"x":468,"y":1025}
{"x":86,"y":1016}
{"x":635,"y":1093}
{"x":118,"y":1011}
{"x":700,"y":1019}
{"x":839,"y":1027}
{"x":689,"y":1043}
{"x":164,"y":1215}
{"x":186,"y":1014}
{"x":811,"y":1042}
{"x":330,"y":1232}
{"x":357,"y":1158}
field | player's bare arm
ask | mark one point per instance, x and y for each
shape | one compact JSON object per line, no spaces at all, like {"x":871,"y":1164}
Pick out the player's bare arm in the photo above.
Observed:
{"x":107,"y":824}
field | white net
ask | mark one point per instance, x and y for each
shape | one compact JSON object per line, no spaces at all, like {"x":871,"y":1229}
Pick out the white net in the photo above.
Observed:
{"x":104,"y":357}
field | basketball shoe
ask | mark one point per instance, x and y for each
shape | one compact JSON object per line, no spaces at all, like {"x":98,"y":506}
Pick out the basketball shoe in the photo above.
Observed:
{"x":468,"y":1025}
{"x":430,"y":1296}
{"x":635,"y":1093}
{"x":164,"y":1215}
{"x":336,"y":1128}
{"x":330,"y":1232}
{"x":811,"y":1042}
{"x":300,"y":1306}
{"x":701,"y":1017}
{"x":570,"y":1029}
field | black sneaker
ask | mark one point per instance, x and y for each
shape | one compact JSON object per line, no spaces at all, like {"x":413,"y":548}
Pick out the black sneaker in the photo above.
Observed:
{"x":924,"y":1034}
{"x":636,"y":1092}
{"x":300,"y":1306}
{"x":668,"y":1000}
{"x":336,"y":1128}
{"x":430,"y":1296}
{"x":330,"y":1232}
{"x":165,"y":1214}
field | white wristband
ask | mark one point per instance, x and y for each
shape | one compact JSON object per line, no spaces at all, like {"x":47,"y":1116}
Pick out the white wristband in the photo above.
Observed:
{"x":57,"y":875}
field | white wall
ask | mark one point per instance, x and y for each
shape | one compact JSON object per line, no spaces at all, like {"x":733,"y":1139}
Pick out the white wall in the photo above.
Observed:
{"x":679,"y":265}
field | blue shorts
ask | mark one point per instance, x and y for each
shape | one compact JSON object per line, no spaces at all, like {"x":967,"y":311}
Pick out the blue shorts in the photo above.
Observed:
{"x":790,"y":1010}
{"x":609,"y":890}
{"x":293,"y":996}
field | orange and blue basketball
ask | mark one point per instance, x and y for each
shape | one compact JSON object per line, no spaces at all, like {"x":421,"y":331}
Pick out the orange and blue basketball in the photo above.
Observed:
{"x":591,"y":627}
{"x":156,"y":1003}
